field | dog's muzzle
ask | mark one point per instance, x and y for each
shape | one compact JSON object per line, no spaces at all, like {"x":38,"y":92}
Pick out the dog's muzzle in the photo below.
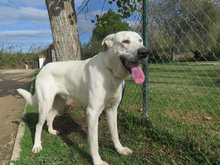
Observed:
{"x":133,"y":67}
{"x":142,"y":53}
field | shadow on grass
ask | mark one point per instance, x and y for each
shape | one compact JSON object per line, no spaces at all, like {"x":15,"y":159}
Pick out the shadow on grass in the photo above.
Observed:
{"x":66,"y":126}
{"x":186,"y":146}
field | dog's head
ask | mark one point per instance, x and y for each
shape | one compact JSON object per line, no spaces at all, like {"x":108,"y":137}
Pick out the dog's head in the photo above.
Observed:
{"x":125,"y":49}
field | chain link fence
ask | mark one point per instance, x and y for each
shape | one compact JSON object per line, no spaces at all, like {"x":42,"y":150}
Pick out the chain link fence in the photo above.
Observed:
{"x":184,"y":66}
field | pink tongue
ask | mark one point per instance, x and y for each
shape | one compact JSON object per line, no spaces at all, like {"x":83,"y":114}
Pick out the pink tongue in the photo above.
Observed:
{"x":137,"y":73}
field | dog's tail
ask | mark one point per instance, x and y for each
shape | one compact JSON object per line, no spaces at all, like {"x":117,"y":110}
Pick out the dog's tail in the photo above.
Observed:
{"x":31,"y":100}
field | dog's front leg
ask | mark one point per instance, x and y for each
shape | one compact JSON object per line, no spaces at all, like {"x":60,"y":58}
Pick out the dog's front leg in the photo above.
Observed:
{"x":93,"y":116}
{"x":111,"y":115}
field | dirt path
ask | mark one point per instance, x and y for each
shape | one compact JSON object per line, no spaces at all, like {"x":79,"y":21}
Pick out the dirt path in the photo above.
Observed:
{"x":11,"y":108}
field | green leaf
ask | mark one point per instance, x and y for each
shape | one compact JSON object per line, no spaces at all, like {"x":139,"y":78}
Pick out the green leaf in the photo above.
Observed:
{"x":118,"y":3}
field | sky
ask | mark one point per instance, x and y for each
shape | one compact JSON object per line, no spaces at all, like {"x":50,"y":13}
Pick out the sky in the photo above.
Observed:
{"x":25,"y":23}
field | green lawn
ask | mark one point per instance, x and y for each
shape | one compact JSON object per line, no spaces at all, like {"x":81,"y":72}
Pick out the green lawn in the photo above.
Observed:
{"x":184,"y":125}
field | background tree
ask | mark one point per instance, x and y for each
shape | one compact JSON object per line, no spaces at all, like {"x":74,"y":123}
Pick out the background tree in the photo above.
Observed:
{"x":64,"y":28}
{"x":184,"y":26}
{"x":109,"y":23}
{"x":91,"y":48}
{"x":127,"y":7}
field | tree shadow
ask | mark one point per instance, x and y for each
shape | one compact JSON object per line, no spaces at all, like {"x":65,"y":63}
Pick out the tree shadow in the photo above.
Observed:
{"x":11,"y":81}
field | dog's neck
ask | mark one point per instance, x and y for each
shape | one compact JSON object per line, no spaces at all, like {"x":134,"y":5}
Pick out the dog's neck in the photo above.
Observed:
{"x":106,"y":60}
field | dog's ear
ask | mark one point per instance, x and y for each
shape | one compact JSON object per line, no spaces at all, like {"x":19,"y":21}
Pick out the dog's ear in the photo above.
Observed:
{"x":107,"y":42}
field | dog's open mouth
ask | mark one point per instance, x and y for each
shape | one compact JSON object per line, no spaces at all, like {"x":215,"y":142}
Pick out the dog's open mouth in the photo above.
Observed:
{"x":126,"y":64}
{"x":134,"y":69}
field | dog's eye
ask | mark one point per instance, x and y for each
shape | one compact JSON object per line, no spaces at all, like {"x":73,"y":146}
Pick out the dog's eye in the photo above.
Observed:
{"x":140,"y":40}
{"x":125,"y":41}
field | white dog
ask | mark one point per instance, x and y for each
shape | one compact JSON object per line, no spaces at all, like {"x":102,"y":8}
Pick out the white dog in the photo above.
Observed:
{"x":96,"y":83}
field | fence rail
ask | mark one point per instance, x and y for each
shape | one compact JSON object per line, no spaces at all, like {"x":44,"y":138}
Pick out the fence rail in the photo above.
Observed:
{"x":184,"y":65}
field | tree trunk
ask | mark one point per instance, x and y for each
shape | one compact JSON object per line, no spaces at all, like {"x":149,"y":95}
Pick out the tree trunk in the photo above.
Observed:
{"x":64,"y":28}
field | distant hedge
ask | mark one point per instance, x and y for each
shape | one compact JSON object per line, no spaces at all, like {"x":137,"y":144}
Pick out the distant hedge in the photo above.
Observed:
{"x":16,"y":60}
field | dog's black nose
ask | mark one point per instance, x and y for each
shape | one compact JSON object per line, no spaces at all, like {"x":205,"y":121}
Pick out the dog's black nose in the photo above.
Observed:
{"x":142,"y":53}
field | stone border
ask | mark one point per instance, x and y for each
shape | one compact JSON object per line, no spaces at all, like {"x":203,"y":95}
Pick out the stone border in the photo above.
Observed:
{"x":20,"y":133}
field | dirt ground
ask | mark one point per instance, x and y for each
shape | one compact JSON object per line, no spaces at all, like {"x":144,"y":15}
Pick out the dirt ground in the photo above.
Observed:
{"x":11,"y":108}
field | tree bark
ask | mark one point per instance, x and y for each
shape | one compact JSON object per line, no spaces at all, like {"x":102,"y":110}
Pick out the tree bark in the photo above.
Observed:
{"x":64,"y":28}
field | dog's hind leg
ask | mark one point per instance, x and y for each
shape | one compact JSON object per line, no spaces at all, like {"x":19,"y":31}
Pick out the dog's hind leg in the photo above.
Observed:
{"x":58,"y":105}
{"x":50,"y":119}
{"x":45,"y":105}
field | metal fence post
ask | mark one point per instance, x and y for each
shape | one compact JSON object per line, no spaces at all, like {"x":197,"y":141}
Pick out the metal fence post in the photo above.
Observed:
{"x":145,"y":66}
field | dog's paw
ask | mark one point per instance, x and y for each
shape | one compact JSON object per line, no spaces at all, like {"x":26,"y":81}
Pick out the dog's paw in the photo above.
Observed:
{"x":101,"y":163}
{"x":54,"y":132}
{"x":124,"y":151}
{"x":36,"y":149}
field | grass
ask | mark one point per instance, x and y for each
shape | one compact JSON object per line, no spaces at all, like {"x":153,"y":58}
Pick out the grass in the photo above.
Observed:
{"x":183,"y":127}
{"x":187,"y":97}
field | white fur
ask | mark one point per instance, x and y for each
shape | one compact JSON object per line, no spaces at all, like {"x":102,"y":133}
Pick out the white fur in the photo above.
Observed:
{"x":89,"y":83}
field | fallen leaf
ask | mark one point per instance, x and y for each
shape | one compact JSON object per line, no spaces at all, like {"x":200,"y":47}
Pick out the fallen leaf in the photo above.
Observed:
{"x":66,"y":145}
{"x":10,"y":143}
{"x":81,"y":145}
{"x":151,"y":98}
{"x":149,"y":139}
{"x":148,"y":161}
{"x":207,"y":118}
{"x":212,"y":152}
{"x":140,"y":109}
